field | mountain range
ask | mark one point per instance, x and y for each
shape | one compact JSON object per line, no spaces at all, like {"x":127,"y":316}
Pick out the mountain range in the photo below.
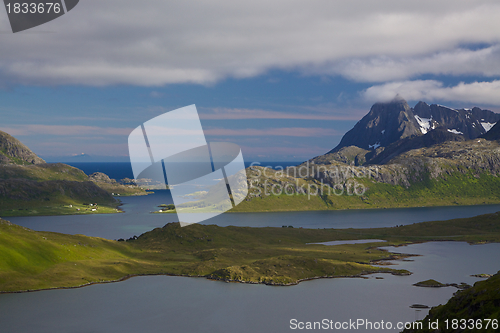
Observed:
{"x":392,"y":128}
{"x":387,"y":123}
{"x":399,"y":156}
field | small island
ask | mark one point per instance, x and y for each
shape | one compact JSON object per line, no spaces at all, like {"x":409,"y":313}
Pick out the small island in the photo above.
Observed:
{"x":435,"y":284}
{"x":431,"y":284}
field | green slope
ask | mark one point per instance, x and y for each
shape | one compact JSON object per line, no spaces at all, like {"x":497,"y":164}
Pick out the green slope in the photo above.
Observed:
{"x":39,"y":260}
{"x":56,"y":189}
{"x":479,"y":304}
{"x":42,"y":260}
{"x":455,"y":188}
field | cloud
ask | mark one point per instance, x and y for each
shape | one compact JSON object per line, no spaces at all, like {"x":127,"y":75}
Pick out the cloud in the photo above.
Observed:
{"x":274,"y":151}
{"x":156,"y":94}
{"x":481,"y":93}
{"x":157,"y":42}
{"x":63,"y":130}
{"x":290,"y":131}
{"x":483,"y":62}
{"x":309,"y":114}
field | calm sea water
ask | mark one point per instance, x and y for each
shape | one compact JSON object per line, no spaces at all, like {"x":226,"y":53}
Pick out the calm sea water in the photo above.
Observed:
{"x":138,"y":219}
{"x":120,"y":170}
{"x":179,"y":304}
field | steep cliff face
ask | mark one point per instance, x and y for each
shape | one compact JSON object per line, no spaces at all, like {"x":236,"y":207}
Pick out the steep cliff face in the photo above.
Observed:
{"x":493,"y":133}
{"x":12,"y":151}
{"x":412,"y":167}
{"x":437,"y":136}
{"x":421,"y":157}
{"x":383,"y":125}
{"x":471,"y":123}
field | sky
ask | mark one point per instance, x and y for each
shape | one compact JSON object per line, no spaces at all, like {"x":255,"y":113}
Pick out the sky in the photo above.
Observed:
{"x":283,"y":79}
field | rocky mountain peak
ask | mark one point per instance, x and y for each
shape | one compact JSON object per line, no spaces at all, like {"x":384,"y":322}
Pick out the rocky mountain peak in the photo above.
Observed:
{"x":390,"y":122}
{"x":461,"y":121}
{"x":384,"y":124}
{"x":12,"y":151}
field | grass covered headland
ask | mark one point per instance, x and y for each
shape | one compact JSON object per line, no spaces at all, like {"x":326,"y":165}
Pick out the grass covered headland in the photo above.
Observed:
{"x":58,"y":189}
{"x":32,"y":260}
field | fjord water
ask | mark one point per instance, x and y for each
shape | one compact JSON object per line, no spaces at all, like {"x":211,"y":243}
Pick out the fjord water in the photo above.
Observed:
{"x":138,"y":219}
{"x":180,"y":304}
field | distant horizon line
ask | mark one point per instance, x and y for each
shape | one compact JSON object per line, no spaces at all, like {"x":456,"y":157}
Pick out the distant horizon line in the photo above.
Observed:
{"x":57,"y":160}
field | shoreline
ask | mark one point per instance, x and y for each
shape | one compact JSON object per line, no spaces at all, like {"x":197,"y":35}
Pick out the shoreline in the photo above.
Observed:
{"x":362,"y":275}
{"x":394,"y":256}
{"x":119,"y":210}
{"x":353,"y":209}
{"x":477,"y":230}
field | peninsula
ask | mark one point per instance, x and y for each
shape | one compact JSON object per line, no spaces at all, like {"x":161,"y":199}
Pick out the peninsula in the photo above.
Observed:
{"x":32,"y":260}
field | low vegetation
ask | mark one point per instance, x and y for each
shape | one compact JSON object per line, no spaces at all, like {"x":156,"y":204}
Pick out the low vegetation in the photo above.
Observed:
{"x":479,"y":304}
{"x":281,"y":256}
{"x":57,"y":189}
{"x":430,"y":283}
{"x":277,"y":192}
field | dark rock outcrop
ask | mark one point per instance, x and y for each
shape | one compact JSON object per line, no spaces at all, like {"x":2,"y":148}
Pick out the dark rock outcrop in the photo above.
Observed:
{"x":12,"y":151}
{"x":101,"y":177}
{"x":467,"y":122}
{"x":413,"y":166}
{"x":384,"y":124}
{"x":493,"y":133}
{"x":439,"y":135}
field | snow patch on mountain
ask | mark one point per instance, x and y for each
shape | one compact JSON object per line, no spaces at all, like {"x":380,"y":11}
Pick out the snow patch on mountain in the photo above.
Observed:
{"x":374,"y":146}
{"x":487,"y":126}
{"x":454,"y":131}
{"x":425,"y":124}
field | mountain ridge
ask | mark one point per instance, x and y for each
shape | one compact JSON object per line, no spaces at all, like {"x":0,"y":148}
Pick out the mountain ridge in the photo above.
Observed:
{"x":30,"y":186}
{"x":437,"y":168}
{"x":387,"y":123}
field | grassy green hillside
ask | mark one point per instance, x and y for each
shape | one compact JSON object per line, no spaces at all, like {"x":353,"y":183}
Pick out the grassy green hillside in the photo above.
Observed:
{"x":56,"y":189}
{"x":478,"y":303}
{"x":40,"y":260}
{"x":42,"y":172}
{"x":53,"y":197}
{"x":456,"y":187}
